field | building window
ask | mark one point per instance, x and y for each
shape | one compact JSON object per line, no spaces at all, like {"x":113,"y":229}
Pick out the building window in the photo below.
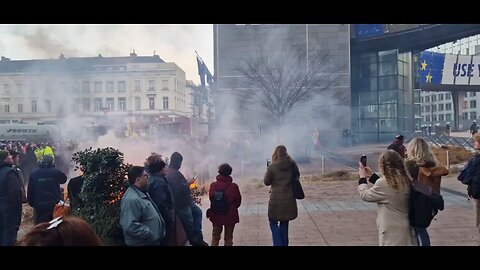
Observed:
{"x":86,"y":105}
{"x":440,"y":96}
{"x":98,"y":87}
{"x":434,"y":118}
{"x":151,"y":85}
{"x":440,"y":117}
{"x":473,"y":115}
{"x":137,"y":85}
{"x":472,"y":94}
{"x":34,"y":106}
{"x":122,"y":104}
{"x":98,"y":104}
{"x":20,"y":88}
{"x":109,"y":103}
{"x":137,"y":103}
{"x":164,"y":84}
{"x":76,"y":104}
{"x":448,"y":96}
{"x":465,"y":115}
{"x":440,"y":107}
{"x":33,"y":89}
{"x":434,"y":98}
{"x":151,"y":103}
{"x":86,"y":87}
{"x":448,"y":106}
{"x":121,"y":86}
{"x":6,"y":89}
{"x":165,"y":103}
{"x":48,"y":106}
{"x":473,"y":104}
{"x":427,"y":118}
{"x":6,"y":108}
{"x":427,"y":99}
{"x":434,"y":108}
{"x":20,"y":107}
{"x":109,"y":87}
{"x":448,"y":117}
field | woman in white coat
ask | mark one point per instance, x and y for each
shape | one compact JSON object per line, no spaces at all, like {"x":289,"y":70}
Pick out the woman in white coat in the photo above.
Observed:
{"x":391,"y":193}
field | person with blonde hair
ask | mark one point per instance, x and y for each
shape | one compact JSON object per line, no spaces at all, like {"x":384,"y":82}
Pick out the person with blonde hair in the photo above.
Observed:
{"x":391,"y":192}
{"x":282,"y":206}
{"x":422,"y":165}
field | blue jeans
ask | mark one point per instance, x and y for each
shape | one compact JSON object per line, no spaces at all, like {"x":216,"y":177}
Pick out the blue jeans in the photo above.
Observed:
{"x":191,"y":217}
{"x":279,"y":232}
{"x":421,"y":234}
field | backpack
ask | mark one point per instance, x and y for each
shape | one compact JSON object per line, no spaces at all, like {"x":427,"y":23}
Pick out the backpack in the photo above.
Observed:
{"x":219,"y":202}
{"x":423,"y":204}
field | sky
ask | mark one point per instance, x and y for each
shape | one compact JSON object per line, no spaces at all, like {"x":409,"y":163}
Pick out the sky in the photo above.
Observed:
{"x":173,"y":43}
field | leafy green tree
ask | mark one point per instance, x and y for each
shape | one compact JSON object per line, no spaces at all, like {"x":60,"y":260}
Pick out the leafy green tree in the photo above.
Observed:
{"x":104,"y":184}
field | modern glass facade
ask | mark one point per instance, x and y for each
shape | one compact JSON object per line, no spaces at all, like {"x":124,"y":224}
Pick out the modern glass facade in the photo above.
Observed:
{"x":382,"y":96}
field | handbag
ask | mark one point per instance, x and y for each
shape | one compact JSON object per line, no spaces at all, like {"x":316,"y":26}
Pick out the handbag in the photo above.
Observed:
{"x":296,"y":185}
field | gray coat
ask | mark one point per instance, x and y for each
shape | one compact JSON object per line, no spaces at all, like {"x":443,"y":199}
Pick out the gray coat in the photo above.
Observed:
{"x":392,"y":214}
{"x":141,"y":222}
{"x":282,"y":206}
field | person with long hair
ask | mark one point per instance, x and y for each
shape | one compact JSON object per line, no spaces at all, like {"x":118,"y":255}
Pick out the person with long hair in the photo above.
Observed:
{"x":422,"y":165}
{"x":282,"y":206}
{"x":62,"y":231}
{"x":391,"y":192}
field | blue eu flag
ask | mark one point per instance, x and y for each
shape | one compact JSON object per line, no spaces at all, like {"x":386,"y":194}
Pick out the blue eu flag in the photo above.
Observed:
{"x":431,"y":67}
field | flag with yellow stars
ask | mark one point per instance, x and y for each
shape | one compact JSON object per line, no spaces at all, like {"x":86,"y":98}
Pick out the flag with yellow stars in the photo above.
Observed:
{"x":431,"y":67}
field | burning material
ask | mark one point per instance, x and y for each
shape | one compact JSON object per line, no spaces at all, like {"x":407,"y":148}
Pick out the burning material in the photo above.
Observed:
{"x":197,"y":192}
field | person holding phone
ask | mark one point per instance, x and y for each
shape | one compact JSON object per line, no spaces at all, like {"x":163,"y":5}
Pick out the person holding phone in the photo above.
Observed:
{"x":391,"y":192}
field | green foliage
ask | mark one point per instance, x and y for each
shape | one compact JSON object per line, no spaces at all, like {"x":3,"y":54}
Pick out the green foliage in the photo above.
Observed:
{"x":104,"y":184}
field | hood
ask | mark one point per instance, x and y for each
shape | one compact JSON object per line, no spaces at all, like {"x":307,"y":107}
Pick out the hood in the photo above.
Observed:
{"x":176,"y":160}
{"x":224,"y":179}
{"x":283,"y":163}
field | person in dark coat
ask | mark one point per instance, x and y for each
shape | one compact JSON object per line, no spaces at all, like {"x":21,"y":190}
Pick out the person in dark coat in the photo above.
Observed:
{"x":161,"y":195}
{"x":398,"y":146}
{"x":10,"y":201}
{"x":234,"y":199}
{"x":44,"y":189}
{"x":282,"y":206}
{"x":186,"y":209}
{"x":74,"y":188}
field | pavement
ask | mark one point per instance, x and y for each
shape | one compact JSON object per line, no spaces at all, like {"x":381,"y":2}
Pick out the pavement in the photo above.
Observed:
{"x":332,"y":214}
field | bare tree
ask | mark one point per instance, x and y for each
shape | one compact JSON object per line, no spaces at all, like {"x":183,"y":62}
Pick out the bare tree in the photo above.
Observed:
{"x":276,"y":86}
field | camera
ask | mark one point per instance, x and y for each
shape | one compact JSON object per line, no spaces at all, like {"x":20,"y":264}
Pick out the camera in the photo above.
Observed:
{"x":363,"y":160}
{"x":268,"y":162}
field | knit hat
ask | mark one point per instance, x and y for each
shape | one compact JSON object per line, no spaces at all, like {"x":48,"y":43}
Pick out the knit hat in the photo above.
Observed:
{"x":3,"y":155}
{"x":47,"y":159}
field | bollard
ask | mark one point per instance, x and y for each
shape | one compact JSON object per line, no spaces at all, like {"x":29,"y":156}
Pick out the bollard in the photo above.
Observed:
{"x":448,"y":160}
{"x":323,"y":165}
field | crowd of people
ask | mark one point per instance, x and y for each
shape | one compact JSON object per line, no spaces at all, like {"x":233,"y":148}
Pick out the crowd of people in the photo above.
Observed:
{"x":157,"y":209}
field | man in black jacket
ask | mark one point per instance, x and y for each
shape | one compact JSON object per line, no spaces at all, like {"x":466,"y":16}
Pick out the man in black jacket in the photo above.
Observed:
{"x":44,"y":189}
{"x":10,"y":201}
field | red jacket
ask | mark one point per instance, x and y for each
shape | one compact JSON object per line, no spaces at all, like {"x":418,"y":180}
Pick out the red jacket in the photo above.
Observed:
{"x":234,"y":199}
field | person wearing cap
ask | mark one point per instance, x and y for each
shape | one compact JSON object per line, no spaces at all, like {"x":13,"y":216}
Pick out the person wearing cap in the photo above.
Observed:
{"x":161,"y":194}
{"x":447,"y":128}
{"x":10,"y":201}
{"x":398,"y":146}
{"x":44,"y":189}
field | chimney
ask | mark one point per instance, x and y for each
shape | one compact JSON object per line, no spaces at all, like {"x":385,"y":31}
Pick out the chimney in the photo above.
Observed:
{"x":100,"y":55}
{"x":61,"y":56}
{"x":4,"y":59}
{"x":133,"y":54}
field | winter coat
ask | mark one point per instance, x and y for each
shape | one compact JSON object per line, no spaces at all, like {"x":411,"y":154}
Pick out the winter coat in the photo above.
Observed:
{"x":10,"y":197}
{"x":44,"y":187}
{"x":430,"y":174}
{"x":470,"y":175}
{"x":392,"y":215}
{"x":140,"y":220}
{"x":162,"y":196}
{"x":282,"y":206}
{"x":180,"y":188}
{"x":398,"y":147}
{"x":234,"y":199}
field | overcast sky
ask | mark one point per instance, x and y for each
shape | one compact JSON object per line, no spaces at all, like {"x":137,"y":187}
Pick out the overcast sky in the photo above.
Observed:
{"x":173,"y":43}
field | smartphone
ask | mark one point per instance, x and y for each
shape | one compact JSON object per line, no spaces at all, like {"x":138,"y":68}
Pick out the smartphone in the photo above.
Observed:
{"x":363,"y":160}
{"x":268,"y":162}
{"x":195,"y":177}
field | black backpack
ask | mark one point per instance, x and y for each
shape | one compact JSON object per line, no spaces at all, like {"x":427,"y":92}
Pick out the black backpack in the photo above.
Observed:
{"x":219,"y":202}
{"x":423,"y":205}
